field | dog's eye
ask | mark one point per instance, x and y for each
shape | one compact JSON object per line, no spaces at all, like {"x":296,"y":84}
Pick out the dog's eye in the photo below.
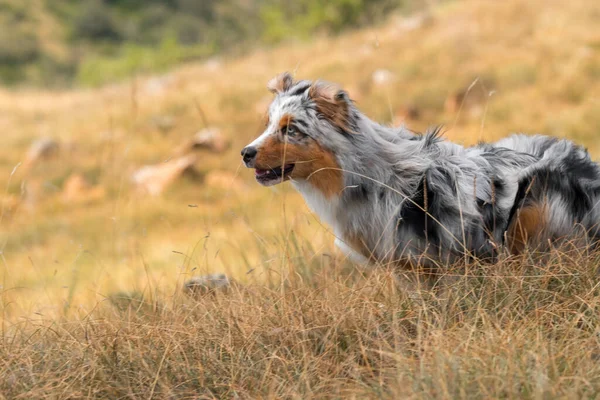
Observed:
{"x":288,"y":130}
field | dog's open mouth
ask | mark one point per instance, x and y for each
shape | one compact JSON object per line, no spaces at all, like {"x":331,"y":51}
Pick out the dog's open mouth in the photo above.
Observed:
{"x":273,"y":176}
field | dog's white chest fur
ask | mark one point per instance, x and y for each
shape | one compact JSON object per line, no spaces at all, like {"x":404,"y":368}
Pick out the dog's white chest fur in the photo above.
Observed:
{"x":327,"y":209}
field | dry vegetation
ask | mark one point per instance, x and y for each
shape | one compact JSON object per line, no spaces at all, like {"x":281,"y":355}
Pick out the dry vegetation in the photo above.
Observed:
{"x":91,"y":282}
{"x":516,"y":331}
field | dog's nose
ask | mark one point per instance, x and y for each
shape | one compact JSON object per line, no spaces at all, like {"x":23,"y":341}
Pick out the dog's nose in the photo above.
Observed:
{"x":248,"y":153}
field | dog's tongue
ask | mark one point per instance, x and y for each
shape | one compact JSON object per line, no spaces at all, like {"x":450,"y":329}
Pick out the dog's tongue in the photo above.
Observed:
{"x":260,"y":172}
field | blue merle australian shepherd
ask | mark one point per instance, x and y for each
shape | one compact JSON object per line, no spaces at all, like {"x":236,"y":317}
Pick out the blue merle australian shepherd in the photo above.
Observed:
{"x":392,"y":196}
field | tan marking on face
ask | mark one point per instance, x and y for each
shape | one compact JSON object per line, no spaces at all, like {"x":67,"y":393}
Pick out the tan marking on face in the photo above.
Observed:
{"x":312,"y":162}
{"x":285,"y":121}
{"x":331,"y":103}
{"x":281,"y":83}
{"x":527,"y":227}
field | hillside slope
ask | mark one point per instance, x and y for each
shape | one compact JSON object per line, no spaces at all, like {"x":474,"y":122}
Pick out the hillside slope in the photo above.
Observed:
{"x":483,"y":69}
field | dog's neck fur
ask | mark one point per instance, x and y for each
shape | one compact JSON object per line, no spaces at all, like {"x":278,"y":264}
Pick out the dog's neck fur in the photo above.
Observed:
{"x":383,"y":167}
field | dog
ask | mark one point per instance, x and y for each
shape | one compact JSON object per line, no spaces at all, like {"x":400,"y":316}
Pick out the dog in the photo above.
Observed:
{"x":395,"y":196}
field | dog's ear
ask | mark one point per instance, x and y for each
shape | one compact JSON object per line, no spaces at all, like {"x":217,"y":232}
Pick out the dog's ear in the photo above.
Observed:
{"x":332,"y":103}
{"x":281,"y":83}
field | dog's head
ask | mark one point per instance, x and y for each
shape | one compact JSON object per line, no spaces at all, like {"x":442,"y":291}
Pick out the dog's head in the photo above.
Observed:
{"x":304,"y":123}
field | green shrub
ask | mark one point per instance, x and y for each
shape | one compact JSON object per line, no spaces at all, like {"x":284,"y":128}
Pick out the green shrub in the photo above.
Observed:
{"x":281,"y":18}
{"x":188,"y":29}
{"x":96,"y":22}
{"x":111,"y":39}
{"x":134,"y":59}
{"x":17,"y":46}
{"x":151,"y":24}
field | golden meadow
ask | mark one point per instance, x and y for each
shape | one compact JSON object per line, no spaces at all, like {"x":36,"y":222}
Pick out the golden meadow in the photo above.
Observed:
{"x":93,"y":266}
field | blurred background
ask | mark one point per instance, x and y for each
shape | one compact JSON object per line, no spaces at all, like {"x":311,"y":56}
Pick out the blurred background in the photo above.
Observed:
{"x":121,"y":123}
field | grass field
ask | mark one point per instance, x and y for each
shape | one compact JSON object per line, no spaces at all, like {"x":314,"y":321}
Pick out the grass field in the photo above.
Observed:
{"x":91,"y":283}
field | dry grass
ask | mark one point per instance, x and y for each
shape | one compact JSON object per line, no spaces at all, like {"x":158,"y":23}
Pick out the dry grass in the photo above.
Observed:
{"x":519,"y":329}
{"x":91,"y":290}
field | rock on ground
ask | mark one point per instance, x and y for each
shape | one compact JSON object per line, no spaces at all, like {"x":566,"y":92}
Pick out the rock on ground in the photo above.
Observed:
{"x":154,"y":179}
{"x":208,"y":284}
{"x":41,"y":149}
